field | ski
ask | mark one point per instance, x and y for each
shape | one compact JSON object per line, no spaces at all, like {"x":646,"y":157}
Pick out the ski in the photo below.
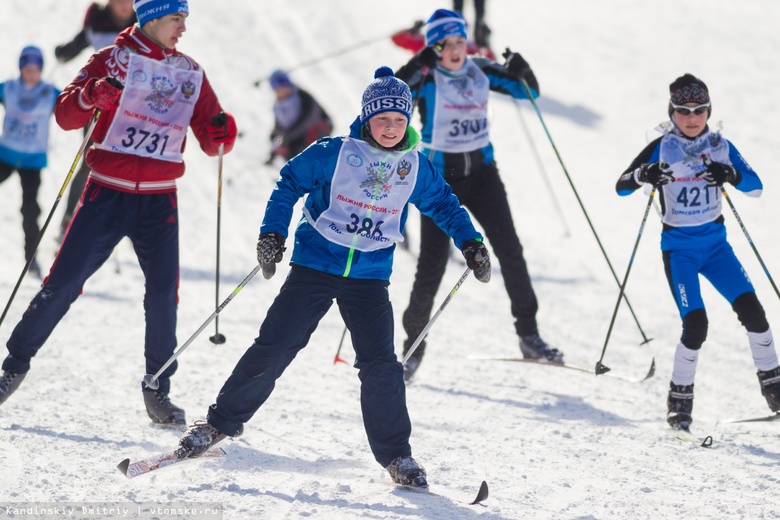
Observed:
{"x":482,"y":494}
{"x":650,"y":372}
{"x":766,"y":418}
{"x":162,"y":460}
{"x":687,"y":436}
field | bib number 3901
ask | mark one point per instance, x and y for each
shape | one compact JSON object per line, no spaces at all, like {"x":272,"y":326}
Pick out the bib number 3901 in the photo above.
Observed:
{"x":136,"y":138}
{"x":367,"y":226}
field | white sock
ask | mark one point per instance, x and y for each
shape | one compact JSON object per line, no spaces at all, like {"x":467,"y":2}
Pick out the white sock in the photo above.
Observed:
{"x":762,"y":346}
{"x":685,"y":361}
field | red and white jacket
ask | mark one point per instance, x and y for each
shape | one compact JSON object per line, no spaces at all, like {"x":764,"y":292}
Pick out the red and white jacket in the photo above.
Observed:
{"x":121,"y":171}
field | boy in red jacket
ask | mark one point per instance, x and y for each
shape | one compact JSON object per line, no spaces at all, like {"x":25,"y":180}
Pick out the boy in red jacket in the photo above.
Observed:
{"x":145,"y":95}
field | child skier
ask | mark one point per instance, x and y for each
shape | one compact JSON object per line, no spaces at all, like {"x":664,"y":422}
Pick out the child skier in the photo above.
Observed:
{"x":298,"y":119}
{"x":452,"y":90}
{"x":357,"y":190}
{"x":29,"y":104}
{"x":148,"y":95}
{"x":689,"y":164}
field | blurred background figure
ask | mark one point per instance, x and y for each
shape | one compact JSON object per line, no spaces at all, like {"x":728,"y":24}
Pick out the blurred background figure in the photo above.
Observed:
{"x":481,"y":29}
{"x":102,"y":24}
{"x":299,"y":119}
{"x":29,"y":104}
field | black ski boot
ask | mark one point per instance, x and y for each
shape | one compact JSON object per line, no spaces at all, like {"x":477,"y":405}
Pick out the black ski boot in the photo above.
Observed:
{"x":482,"y":34}
{"x":413,"y":363}
{"x":199,"y":438}
{"x":9,"y":382}
{"x":770,"y":387}
{"x":161,"y":410}
{"x":533,"y":346}
{"x":406,"y":471}
{"x":680,"y":406}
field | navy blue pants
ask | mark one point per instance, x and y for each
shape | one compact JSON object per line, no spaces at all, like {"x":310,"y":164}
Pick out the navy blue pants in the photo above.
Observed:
{"x":104,"y":218}
{"x":304,"y":299}
{"x":31,"y":182}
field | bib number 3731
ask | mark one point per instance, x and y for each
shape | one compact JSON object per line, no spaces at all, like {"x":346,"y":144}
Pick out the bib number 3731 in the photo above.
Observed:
{"x":136,"y":138}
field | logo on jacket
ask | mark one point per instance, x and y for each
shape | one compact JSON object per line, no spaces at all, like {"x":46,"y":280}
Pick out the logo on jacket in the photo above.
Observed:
{"x":188,"y":89}
{"x":377,"y":186}
{"x":462,"y":86}
{"x":403,"y":169}
{"x":160,"y":99}
{"x":138,"y":76}
{"x":354,"y":160}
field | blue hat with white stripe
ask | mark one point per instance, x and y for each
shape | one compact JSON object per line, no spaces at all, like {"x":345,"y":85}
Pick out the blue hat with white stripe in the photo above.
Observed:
{"x":148,"y":10}
{"x":444,"y":23}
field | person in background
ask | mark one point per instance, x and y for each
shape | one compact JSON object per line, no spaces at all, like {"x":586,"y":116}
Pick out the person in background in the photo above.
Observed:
{"x":357,"y":191}
{"x":102,"y":24}
{"x":29,"y":105}
{"x":688,"y":165}
{"x":481,"y":29}
{"x":148,"y":95}
{"x":298,"y":119}
{"x":452,"y":91}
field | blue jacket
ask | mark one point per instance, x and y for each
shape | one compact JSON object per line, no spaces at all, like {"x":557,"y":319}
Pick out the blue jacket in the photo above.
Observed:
{"x":309,"y":174}
{"x":690,"y":237}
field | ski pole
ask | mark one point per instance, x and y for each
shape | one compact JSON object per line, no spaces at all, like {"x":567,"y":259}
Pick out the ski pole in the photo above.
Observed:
{"x":332,"y":54}
{"x":435,"y":316}
{"x":542,"y":169}
{"x":750,"y":240}
{"x":217,"y":338}
{"x":65,"y":183}
{"x":582,"y":206}
{"x":152,"y":381}
{"x":600,"y":367}
{"x":338,"y":359}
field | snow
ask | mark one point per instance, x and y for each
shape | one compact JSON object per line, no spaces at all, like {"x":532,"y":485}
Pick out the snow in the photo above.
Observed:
{"x":550,"y":443}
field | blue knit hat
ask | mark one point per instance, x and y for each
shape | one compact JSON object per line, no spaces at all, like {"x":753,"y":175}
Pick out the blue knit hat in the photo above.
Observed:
{"x":31,"y":55}
{"x":279,"y":78}
{"x":386,"y":94}
{"x":148,"y":10}
{"x":442,"y":24}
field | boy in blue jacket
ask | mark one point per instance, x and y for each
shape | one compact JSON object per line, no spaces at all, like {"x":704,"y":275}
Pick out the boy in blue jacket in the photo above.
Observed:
{"x":29,"y":104}
{"x":357,"y":189}
{"x":689,"y":164}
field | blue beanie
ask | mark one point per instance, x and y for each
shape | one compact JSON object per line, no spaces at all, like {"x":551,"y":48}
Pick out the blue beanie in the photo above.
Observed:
{"x":148,"y":10}
{"x":442,"y":24}
{"x":31,"y":55}
{"x":386,"y":94}
{"x":279,"y":78}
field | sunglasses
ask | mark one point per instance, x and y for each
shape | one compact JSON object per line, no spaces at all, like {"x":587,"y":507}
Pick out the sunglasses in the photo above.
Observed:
{"x":686,"y":111}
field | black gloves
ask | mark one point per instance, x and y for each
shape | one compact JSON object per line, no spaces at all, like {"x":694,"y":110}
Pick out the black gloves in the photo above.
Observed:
{"x":718,"y":174}
{"x":515,"y":65}
{"x":477,"y":258}
{"x":428,"y":57}
{"x":657,"y":174}
{"x":270,"y":249}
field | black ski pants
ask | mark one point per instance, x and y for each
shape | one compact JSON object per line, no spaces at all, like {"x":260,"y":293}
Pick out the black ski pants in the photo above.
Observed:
{"x":31,"y":182}
{"x":483,"y":194}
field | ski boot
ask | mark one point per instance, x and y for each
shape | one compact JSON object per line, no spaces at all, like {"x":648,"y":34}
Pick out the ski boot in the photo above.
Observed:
{"x":770,"y":387}
{"x":199,"y":438}
{"x":482,"y":34}
{"x":162,"y":411}
{"x":9,"y":382}
{"x":680,"y":406}
{"x":413,"y":363}
{"x":533,"y":346}
{"x":406,"y":472}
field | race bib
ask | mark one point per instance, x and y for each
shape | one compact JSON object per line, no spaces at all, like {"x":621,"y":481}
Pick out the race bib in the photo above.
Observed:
{"x":460,"y":118}
{"x":688,"y":200}
{"x":154,"y":111}
{"x":368,"y":193}
{"x":27,"y":113}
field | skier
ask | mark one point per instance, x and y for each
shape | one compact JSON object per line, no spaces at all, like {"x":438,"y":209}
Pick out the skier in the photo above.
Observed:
{"x":298,"y":119}
{"x":102,"y":24}
{"x":357,"y":190}
{"x":689,"y":164}
{"x":29,"y":104}
{"x":452,"y":92}
{"x":148,"y":95}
